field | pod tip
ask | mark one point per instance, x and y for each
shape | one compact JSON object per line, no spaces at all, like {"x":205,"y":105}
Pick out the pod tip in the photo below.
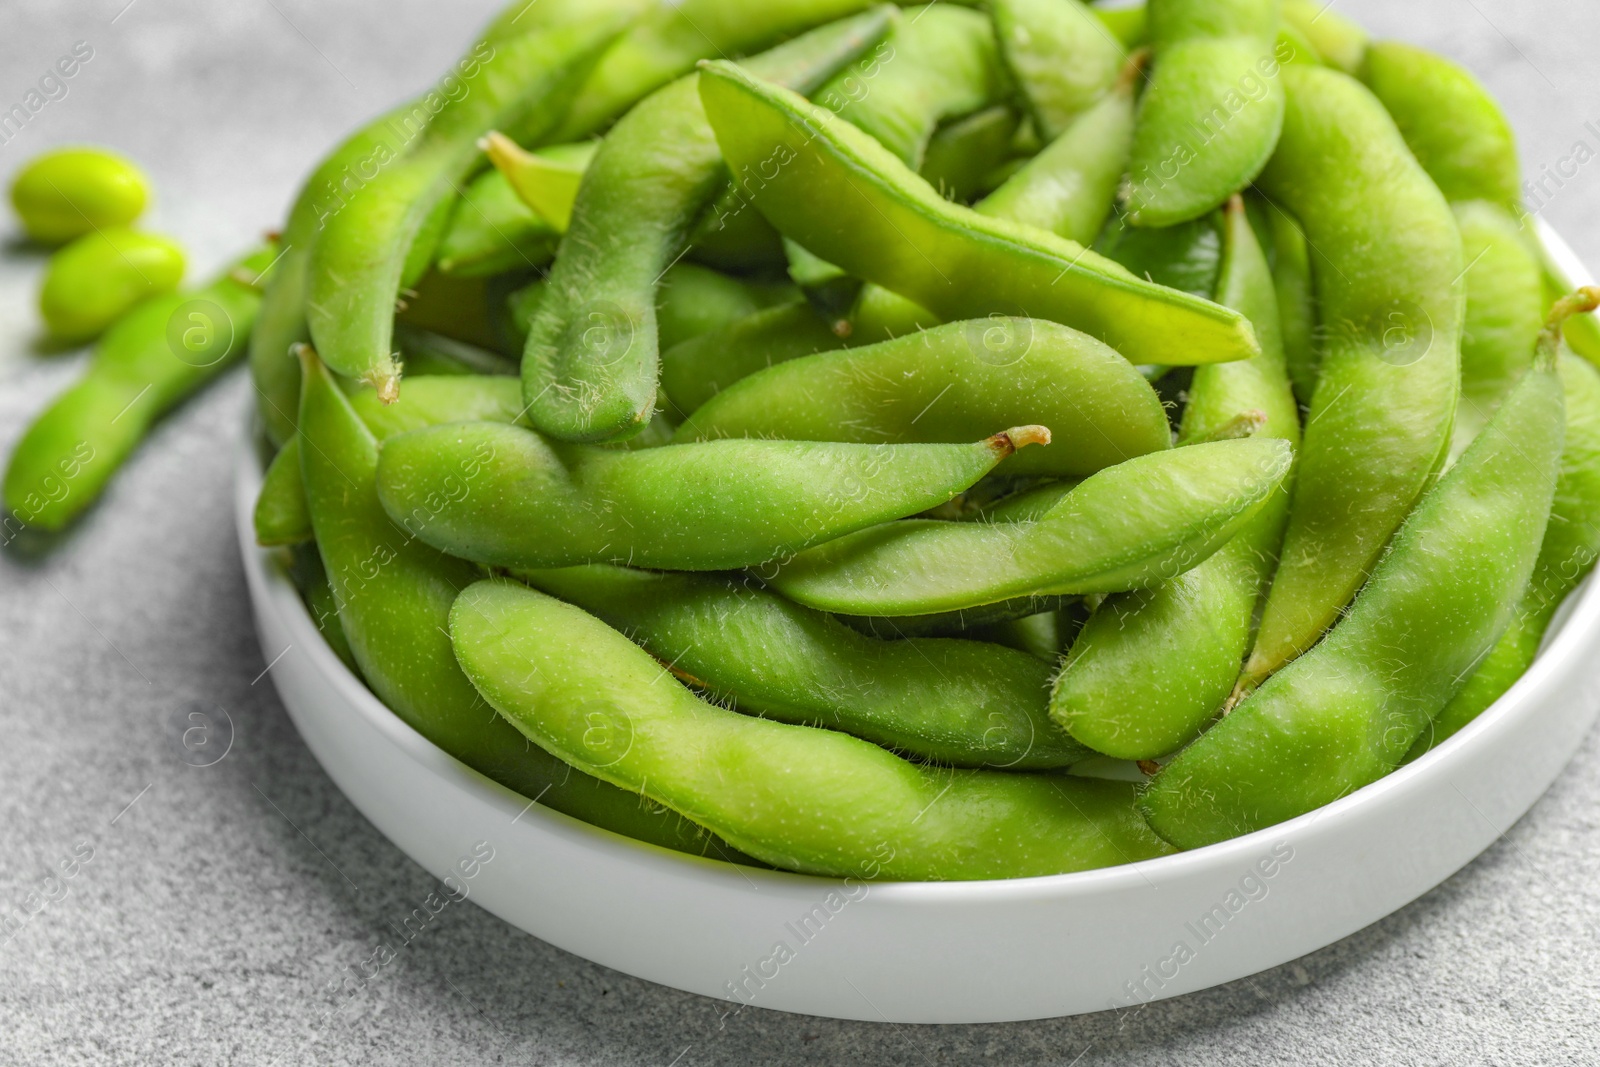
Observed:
{"x":1009,"y":441}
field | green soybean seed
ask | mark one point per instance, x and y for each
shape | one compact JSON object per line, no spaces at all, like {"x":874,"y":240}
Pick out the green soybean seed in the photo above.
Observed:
{"x":694,"y":371}
{"x":100,"y":277}
{"x":1062,"y":57}
{"x":591,"y":364}
{"x":809,"y":800}
{"x":1150,"y":668}
{"x":1391,"y":297}
{"x":1346,"y":713}
{"x":145,"y":365}
{"x":954,"y":383}
{"x":1147,"y":519}
{"x":394,"y":597}
{"x":69,"y":192}
{"x":841,"y":194}
{"x":1212,"y":111}
{"x":960,"y":703}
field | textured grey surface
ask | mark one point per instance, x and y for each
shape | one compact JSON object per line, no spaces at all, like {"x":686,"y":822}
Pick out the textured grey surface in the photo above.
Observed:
{"x":220,"y":911}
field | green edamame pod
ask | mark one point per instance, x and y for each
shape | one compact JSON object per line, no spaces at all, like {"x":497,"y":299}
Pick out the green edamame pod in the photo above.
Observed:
{"x":960,"y":703}
{"x":68,"y":192}
{"x":1391,"y":296}
{"x":394,"y":598}
{"x":1571,"y":543}
{"x":281,"y":516}
{"x":423,"y":352}
{"x":100,"y":277}
{"x":815,"y":801}
{"x":384,"y":237}
{"x":1449,"y":120}
{"x":1062,"y":56}
{"x":505,"y":496}
{"x":1297,"y":308}
{"x":1150,"y":668}
{"x":308,"y":575}
{"x":493,"y":231}
{"x":845,"y":197}
{"x":697,"y":300}
{"x":1147,"y":519}
{"x":546,"y":180}
{"x":963,"y":156}
{"x":1345,"y":714}
{"x":1211,"y":114}
{"x":693,"y":371}
{"x":591,"y":364}
{"x":1339,"y":42}
{"x":952,"y":383}
{"x":155,"y":357}
{"x":1129,"y":25}
{"x":1185,"y":256}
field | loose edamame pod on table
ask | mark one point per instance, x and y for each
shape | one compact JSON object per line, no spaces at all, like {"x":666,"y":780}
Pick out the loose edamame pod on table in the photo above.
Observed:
{"x":506,"y":496}
{"x":1391,"y":295}
{"x":1346,"y":713}
{"x":960,"y":703}
{"x":394,"y":598}
{"x":1211,"y":114}
{"x":952,"y":383}
{"x":1145,"y":520}
{"x":1064,"y":59}
{"x":145,"y":365}
{"x":101,"y":276}
{"x":839,"y":193}
{"x":815,"y":801}
{"x":591,"y":366}
{"x":66,"y":193}
{"x":1151,"y":668}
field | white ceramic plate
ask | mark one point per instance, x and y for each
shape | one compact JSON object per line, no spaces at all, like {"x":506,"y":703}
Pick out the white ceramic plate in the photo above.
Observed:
{"x":929,"y":952}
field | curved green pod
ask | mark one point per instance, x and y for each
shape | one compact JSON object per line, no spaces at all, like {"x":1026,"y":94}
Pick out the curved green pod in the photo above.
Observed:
{"x":809,"y":800}
{"x":1061,"y":55}
{"x":1151,"y":668}
{"x":1212,"y":111}
{"x":1346,"y":713}
{"x":394,"y":598}
{"x":591,"y":363}
{"x":694,"y":371}
{"x":955,"y":382}
{"x":696,"y":300}
{"x":1391,"y":290}
{"x":1450,"y":121}
{"x":846,"y":198}
{"x":505,"y":496}
{"x":1140,"y":522}
{"x":101,"y":276}
{"x":384,"y":236}
{"x":958,"y":703}
{"x":143,"y":367}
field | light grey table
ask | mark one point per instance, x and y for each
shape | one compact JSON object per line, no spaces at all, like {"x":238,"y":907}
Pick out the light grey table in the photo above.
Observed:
{"x":222,"y":907}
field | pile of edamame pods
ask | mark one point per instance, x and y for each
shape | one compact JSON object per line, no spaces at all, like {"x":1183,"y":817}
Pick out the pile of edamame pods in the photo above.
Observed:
{"x":936,"y":442}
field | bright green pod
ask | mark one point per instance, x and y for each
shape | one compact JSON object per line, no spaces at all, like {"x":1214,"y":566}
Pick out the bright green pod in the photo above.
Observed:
{"x":547,"y":180}
{"x":955,"y":382}
{"x":1145,"y":520}
{"x":309,"y":576}
{"x":505,"y":496}
{"x":144,"y":366}
{"x":1185,"y":256}
{"x":1062,"y":56}
{"x":394,"y":597}
{"x":1151,"y":668}
{"x":1339,"y":42}
{"x":1390,"y":285}
{"x":281,"y":516}
{"x":1297,"y":301}
{"x":100,"y":277}
{"x":1212,"y":111}
{"x":591,"y":364}
{"x":493,"y":232}
{"x":964,"y":155}
{"x":694,"y":371}
{"x":1505,"y":311}
{"x":816,"y":801}
{"x":520,"y":17}
{"x":958,"y":703}
{"x":65,"y":193}
{"x":696,"y":300}
{"x":839,"y":193}
{"x":1450,"y":121}
{"x":1345,"y":714}
{"x":1129,"y":25}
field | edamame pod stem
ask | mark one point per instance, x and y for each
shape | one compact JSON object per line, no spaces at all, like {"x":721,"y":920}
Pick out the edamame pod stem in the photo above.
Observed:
{"x":960,"y":703}
{"x":394,"y":598}
{"x":1345,"y":714}
{"x":1062,"y":56}
{"x":1151,"y":668}
{"x":385,"y":236}
{"x":504,"y":496}
{"x":694,"y":371}
{"x":952,"y":383}
{"x":590,"y":366}
{"x":144,"y":366}
{"x":839,"y":193}
{"x":815,"y":801}
{"x":1129,"y":526}
{"x":1339,"y":42}
{"x":1392,"y":294}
